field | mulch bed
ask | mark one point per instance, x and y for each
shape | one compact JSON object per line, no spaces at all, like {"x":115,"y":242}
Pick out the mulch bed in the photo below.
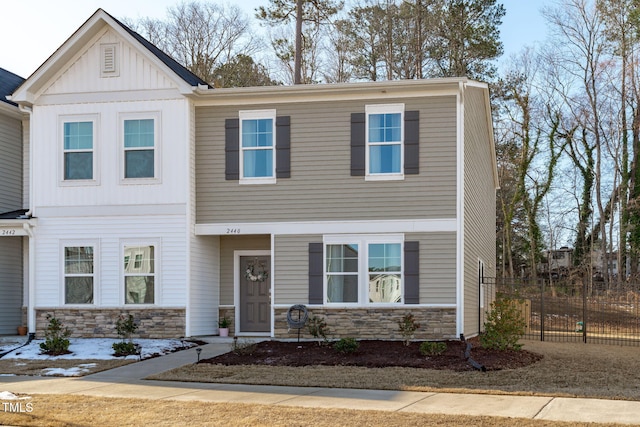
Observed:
{"x":374,"y":354}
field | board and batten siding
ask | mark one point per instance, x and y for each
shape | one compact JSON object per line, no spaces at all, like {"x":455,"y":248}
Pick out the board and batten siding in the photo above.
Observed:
{"x":321,"y":187}
{"x":229,"y":244}
{"x":437,"y":267}
{"x":109,"y":234}
{"x":11,"y":284}
{"x":109,"y":189}
{"x":137,"y":71}
{"x":479,"y":206}
{"x":10,"y":163}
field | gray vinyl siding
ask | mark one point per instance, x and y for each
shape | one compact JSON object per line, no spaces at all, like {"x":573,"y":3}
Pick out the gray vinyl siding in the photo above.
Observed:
{"x":229,"y":244}
{"x":292,"y":268}
{"x":11,"y":284}
{"x":320,"y":166}
{"x":479,"y":206}
{"x":10,"y":164}
{"x":437,"y":267}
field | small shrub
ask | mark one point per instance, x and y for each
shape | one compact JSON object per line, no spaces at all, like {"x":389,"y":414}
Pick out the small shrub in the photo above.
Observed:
{"x":124,"y":348}
{"x":125,"y":327}
{"x":242,"y":348}
{"x":318,"y":329}
{"x":408,"y":327}
{"x":433,"y":348}
{"x":504,"y":326}
{"x":346,"y":345}
{"x":56,"y":338}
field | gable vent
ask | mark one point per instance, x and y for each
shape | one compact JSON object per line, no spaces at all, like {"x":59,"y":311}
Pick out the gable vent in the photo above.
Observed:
{"x":109,"y":60}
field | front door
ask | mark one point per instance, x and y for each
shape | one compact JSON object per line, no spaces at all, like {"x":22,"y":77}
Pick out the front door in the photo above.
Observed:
{"x":255,"y":293}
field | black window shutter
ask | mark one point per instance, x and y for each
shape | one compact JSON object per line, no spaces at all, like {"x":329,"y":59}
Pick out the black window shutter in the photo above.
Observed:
{"x":411,"y":272}
{"x":411,"y":142}
{"x":283,"y":147}
{"x":358,"y":145}
{"x":232,"y":149}
{"x":316,"y":273}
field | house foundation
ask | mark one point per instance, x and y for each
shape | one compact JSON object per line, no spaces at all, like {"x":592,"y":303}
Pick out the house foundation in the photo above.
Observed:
{"x":101,"y":323}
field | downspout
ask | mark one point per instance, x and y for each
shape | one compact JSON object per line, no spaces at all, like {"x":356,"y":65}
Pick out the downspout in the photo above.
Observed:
{"x":460,"y":210}
{"x":31,"y":315}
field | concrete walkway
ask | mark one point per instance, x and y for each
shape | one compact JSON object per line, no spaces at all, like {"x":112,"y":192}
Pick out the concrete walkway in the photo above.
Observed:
{"x":128,"y":381}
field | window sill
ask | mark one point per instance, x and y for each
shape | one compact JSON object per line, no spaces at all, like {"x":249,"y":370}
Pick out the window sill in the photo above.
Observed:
{"x":389,"y":177}
{"x":257,"y":181}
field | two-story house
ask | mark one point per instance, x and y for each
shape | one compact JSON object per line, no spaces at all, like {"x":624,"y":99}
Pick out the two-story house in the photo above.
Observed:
{"x":159,"y":196}
{"x":14,"y":224}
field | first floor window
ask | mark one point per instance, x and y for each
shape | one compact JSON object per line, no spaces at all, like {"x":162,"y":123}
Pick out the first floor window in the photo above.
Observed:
{"x":363,"y":270}
{"x":139,"y":274}
{"x":78,"y":275}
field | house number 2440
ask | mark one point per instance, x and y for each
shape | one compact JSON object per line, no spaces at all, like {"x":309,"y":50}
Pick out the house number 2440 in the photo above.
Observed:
{"x":233,"y":231}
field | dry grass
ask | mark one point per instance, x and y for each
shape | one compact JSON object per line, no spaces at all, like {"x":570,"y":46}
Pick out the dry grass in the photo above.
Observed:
{"x":567,"y":369}
{"x":76,"y":411}
{"x":36,"y":367}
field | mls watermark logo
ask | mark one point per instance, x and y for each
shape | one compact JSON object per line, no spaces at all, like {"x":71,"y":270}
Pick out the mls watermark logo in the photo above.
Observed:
{"x":16,"y":404}
{"x":17,"y":407}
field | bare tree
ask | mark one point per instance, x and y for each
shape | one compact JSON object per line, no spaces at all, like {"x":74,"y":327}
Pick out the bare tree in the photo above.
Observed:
{"x":201,"y":35}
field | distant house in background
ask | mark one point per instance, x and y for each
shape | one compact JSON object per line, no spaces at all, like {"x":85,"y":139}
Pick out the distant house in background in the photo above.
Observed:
{"x":13,"y":224}
{"x":163,"y":198}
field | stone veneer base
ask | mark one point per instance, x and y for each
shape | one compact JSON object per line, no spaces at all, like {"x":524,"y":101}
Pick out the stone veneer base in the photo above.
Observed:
{"x":101,"y":322}
{"x":374,"y":323}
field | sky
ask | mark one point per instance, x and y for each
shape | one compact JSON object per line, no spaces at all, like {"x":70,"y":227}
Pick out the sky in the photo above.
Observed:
{"x":32,"y":30}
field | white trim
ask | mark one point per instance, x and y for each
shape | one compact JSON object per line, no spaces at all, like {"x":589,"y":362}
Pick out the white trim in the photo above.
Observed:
{"x":95,"y":244}
{"x":156,"y":116}
{"x":329,"y":227}
{"x":236,"y":290}
{"x":344,"y":306}
{"x":257,"y":115}
{"x":94,"y":118}
{"x":383,"y":109}
{"x":112,"y":210}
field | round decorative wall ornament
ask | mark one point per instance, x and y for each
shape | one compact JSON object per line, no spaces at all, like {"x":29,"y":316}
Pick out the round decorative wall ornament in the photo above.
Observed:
{"x":256,"y":271}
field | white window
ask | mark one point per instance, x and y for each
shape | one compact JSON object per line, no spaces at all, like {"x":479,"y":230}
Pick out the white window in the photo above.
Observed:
{"x":139,"y":267}
{"x":385,"y":141}
{"x":79,"y":274}
{"x":78,"y":162}
{"x":258,"y":147}
{"x":362,"y":270}
{"x":140,"y":142}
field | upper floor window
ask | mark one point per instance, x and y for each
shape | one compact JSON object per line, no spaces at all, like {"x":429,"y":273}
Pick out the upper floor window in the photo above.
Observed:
{"x":78,"y":150}
{"x":139,"y":148}
{"x":385,"y":141}
{"x":78,"y":274}
{"x":257,"y":146}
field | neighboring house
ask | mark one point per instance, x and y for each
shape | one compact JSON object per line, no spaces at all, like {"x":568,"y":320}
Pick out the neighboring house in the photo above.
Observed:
{"x":13,"y":222}
{"x":159,"y":196}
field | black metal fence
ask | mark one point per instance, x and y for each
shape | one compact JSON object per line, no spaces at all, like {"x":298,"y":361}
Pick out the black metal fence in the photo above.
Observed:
{"x":588,"y":312}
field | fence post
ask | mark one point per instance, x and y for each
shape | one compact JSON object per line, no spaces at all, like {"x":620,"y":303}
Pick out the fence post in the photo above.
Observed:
{"x":584,"y":310}
{"x":542,"y":310}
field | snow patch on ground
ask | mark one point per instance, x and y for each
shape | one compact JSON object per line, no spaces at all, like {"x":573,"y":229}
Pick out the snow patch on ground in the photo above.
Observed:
{"x":7,"y":395}
{"x":97,"y":348}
